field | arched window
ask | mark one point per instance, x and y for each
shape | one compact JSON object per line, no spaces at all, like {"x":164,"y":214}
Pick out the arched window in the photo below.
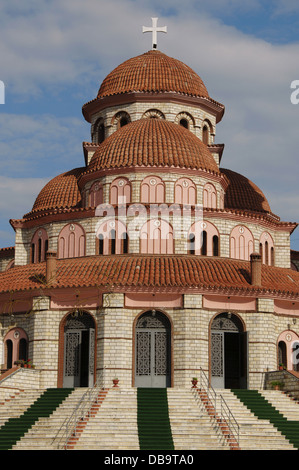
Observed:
{"x":153,"y":114}
{"x":112,"y":238}
{"x":215,"y":245}
{"x":267,"y":249}
{"x":96,"y":194}
{"x":152,"y":190}
{"x":39,"y":246}
{"x":9,"y":351}
{"x":185,"y":192}
{"x":241,"y":243}
{"x":71,"y":241}
{"x":101,"y":244}
{"x":121,"y":119}
{"x":112,"y":242}
{"x":120,"y":191}
{"x":156,"y":237}
{"x":99,"y":131}
{"x":206,"y":239}
{"x":125,"y":243}
{"x":205,"y":134}
{"x":207,"y":130}
{"x":185,"y":120}
{"x":16,"y":347}
{"x":184,"y":123}
{"x":295,"y":356}
{"x":288,"y":350}
{"x":282,"y":353}
{"x":191,"y":244}
{"x":204,"y":243}
{"x":209,"y":196}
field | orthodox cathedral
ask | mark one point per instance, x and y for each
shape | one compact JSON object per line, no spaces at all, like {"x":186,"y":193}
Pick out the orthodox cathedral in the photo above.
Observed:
{"x":151,"y":262}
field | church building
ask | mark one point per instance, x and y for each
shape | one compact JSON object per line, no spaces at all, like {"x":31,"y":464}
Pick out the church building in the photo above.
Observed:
{"x":152,"y":261}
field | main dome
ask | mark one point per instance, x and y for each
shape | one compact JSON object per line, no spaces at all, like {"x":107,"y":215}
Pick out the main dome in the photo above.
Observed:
{"x":153,"y":143}
{"x":153,"y":72}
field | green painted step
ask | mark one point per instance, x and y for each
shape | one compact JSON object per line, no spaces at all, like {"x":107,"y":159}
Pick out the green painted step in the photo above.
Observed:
{"x":15,"y":428}
{"x":154,"y":428}
{"x":263,"y":409}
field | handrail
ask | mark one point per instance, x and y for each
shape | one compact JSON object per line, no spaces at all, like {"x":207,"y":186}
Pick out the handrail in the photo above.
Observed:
{"x":224,"y":411}
{"x":82,"y":409}
{"x":230,"y":420}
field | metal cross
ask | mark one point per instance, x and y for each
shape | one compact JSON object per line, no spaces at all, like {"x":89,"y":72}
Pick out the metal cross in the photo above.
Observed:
{"x":154,"y":30}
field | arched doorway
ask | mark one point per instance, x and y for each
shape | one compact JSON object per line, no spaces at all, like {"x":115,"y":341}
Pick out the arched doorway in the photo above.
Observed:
{"x":79,"y":350}
{"x":228,"y":352}
{"x":153,"y":350}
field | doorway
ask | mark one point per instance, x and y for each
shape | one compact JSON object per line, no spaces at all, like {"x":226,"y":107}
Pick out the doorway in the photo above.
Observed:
{"x":79,"y":346}
{"x":153,"y":350}
{"x":228,"y":352}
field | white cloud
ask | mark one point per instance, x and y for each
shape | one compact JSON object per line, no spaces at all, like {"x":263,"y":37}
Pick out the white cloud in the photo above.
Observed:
{"x":31,"y":145}
{"x":17,"y":196}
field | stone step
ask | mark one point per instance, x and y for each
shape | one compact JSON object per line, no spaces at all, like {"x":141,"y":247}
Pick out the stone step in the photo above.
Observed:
{"x":112,"y":425}
{"x":254,"y":433}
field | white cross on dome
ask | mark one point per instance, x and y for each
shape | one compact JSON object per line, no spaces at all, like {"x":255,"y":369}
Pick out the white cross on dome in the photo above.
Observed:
{"x":154,"y":29}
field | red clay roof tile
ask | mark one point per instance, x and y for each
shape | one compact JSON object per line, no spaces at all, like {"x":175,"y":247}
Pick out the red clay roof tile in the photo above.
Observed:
{"x":243,"y":193}
{"x":184,"y":272}
{"x":61,"y":192}
{"x":153,"y":72}
{"x":153,"y":142}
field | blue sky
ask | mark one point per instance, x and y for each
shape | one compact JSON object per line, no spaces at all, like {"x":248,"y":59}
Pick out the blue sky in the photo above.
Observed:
{"x":55,"y":54}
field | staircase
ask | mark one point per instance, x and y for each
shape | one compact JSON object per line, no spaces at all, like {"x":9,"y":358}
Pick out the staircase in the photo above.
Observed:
{"x":254,"y":433}
{"x":15,"y":428}
{"x":114,"y":426}
{"x":191,"y":426}
{"x":43,"y":434}
{"x":15,"y":405}
{"x":114,"y":422}
{"x":263,"y":409}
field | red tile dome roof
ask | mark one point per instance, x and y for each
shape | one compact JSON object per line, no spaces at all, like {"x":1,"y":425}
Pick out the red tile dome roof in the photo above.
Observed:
{"x":61,"y":192}
{"x":153,"y":72}
{"x":153,"y":143}
{"x":243,"y":193}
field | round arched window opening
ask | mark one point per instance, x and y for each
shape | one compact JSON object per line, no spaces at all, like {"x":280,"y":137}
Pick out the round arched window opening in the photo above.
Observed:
{"x":184,"y":123}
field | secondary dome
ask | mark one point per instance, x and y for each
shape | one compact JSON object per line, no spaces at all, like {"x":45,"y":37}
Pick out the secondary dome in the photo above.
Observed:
{"x":244,"y":194}
{"x":61,"y":192}
{"x":153,"y":72}
{"x":153,"y":143}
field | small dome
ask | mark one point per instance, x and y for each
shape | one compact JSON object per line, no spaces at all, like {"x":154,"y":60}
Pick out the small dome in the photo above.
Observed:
{"x":153,"y":72}
{"x":243,"y":193}
{"x":153,"y":143}
{"x":61,"y":192}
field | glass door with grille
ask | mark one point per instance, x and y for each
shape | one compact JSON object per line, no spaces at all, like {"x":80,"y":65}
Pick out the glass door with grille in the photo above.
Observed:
{"x":152,"y":351}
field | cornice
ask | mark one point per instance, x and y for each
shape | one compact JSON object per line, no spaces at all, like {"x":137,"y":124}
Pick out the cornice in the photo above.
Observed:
{"x":97,"y":105}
